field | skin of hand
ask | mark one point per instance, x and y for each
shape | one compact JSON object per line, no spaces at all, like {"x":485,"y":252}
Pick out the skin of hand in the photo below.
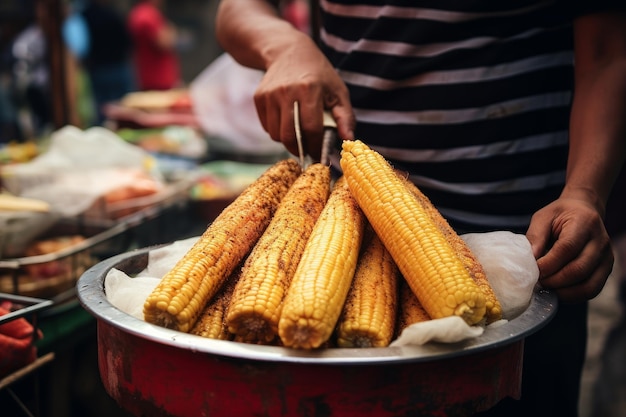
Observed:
{"x":568,"y":236}
{"x":302,"y":74}
{"x":295,"y":70}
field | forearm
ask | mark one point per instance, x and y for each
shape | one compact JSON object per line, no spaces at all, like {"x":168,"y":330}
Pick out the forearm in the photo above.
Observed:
{"x":253,"y":32}
{"x":598,"y":121}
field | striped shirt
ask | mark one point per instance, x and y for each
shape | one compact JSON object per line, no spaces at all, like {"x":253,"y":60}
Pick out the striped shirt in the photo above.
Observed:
{"x":472,"y":99}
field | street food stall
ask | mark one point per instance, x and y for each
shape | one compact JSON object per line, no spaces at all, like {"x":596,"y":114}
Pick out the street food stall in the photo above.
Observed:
{"x":153,"y":364}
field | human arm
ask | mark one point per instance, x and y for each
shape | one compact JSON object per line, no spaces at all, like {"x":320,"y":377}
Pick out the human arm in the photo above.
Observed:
{"x":253,"y":32}
{"x":568,"y":236}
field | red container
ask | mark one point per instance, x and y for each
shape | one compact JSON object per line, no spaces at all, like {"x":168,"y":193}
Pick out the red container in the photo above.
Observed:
{"x":153,"y":371}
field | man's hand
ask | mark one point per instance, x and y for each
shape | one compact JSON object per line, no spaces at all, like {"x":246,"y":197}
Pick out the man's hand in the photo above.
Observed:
{"x":302,"y":73}
{"x":572,"y":249}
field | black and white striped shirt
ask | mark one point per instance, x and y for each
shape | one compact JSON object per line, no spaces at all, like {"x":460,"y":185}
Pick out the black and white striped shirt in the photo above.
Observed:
{"x":472,"y":98}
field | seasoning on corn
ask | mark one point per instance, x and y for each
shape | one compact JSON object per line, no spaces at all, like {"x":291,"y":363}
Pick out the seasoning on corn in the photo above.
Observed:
{"x":183,"y":292}
{"x":423,"y":254}
{"x":255,"y":307}
{"x":320,"y":285}
{"x":473,"y":266}
{"x":369,"y":313}
{"x":211,"y":322}
{"x":410,"y":310}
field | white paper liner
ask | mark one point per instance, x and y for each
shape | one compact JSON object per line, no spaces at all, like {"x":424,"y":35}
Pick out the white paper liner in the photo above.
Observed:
{"x":506,"y":257}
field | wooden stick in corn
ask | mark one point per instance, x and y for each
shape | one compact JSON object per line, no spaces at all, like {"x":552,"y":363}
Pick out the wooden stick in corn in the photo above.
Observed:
{"x":410,"y":309}
{"x":425,"y":257}
{"x":255,"y":307}
{"x":181,"y":294}
{"x":321,"y":282}
{"x":368,"y":318}
{"x":473,"y":266}
{"x":212,"y":320}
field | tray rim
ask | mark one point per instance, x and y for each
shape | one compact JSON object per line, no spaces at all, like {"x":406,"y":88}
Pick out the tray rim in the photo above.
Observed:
{"x":90,"y":288}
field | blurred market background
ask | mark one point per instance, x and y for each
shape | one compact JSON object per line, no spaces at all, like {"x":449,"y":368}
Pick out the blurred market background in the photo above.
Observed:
{"x":96,"y":176}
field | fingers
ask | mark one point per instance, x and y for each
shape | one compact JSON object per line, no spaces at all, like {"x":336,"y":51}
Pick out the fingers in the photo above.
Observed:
{"x":316,"y":86}
{"x":344,"y":117}
{"x":587,"y":288}
{"x":277,"y":120}
{"x":572,"y":248}
{"x":311,"y":126}
{"x":539,"y":233}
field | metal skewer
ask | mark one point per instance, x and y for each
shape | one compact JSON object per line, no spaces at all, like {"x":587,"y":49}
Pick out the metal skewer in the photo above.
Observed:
{"x":330,"y":136}
{"x":296,"y":122}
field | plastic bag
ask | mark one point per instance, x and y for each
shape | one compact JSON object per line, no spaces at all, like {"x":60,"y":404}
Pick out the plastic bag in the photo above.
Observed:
{"x":222,"y":97}
{"x":78,"y":168}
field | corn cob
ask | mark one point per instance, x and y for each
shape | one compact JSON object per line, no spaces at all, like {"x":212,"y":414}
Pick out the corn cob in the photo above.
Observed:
{"x":369,"y":313}
{"x":181,"y":294}
{"x":321,"y":282}
{"x":424,"y":256}
{"x":410,"y":309}
{"x":473,"y":266}
{"x":255,"y":307}
{"x":211,"y":322}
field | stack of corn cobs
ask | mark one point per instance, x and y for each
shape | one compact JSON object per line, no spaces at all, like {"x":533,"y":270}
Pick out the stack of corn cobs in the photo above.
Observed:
{"x":299,"y":262}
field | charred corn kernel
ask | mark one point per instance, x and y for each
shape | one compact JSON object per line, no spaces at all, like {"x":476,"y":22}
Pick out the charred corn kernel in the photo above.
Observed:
{"x":181,"y":294}
{"x":410,"y":309}
{"x":473,"y":266}
{"x":255,"y":307}
{"x":322,"y":279}
{"x":369,"y":313}
{"x":212,"y":323}
{"x":421,"y":251}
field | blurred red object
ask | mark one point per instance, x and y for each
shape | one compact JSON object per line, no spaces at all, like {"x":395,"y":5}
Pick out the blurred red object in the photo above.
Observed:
{"x":16,"y":343}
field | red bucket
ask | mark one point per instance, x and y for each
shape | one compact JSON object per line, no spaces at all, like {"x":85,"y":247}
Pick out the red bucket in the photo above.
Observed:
{"x":153,"y":371}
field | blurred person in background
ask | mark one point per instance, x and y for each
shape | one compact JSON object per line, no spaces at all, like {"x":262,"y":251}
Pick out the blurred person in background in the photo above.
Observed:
{"x":31,"y":73}
{"x":108,"y":56}
{"x":481,"y":104}
{"x":77,"y":42}
{"x":157,"y":63}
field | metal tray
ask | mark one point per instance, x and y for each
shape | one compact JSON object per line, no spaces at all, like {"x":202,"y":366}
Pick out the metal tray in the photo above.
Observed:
{"x":92,"y":296}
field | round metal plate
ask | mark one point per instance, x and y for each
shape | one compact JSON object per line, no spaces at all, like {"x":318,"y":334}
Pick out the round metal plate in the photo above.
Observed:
{"x":92,"y":296}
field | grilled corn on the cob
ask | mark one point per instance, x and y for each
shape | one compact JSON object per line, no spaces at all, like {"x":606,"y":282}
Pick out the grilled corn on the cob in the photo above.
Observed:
{"x":255,"y":306}
{"x":473,"y":266}
{"x":321,"y":282}
{"x":183,"y":292}
{"x":410,"y":310}
{"x":369,"y":313}
{"x":212,"y":320}
{"x":425,"y":257}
